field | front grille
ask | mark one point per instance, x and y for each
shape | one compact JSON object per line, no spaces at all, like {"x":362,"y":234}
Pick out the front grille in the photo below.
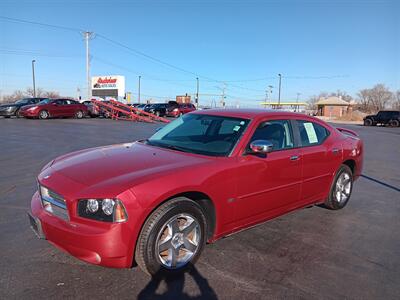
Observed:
{"x":53,"y":203}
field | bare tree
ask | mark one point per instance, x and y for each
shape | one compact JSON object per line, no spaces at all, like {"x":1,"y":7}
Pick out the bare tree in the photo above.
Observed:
{"x":376,"y":98}
{"x":16,"y":95}
{"x":38,"y":93}
{"x":396,"y":100}
{"x":28,"y":93}
{"x":51,"y":94}
{"x":311,"y":103}
{"x":342,"y":95}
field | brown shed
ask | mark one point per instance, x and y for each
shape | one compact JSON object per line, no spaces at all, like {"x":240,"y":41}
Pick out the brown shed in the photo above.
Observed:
{"x":333,"y":107}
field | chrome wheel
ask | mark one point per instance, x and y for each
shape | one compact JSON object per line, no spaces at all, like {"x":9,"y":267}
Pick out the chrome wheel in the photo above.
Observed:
{"x":79,"y":114}
{"x":343,"y":187}
{"x":178,"y":241}
{"x":43,"y":114}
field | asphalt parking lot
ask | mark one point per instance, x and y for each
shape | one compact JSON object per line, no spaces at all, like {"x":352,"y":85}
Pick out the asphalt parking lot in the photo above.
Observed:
{"x":314,"y":253}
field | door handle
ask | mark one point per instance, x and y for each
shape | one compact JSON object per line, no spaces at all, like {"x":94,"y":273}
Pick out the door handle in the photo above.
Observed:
{"x":335,"y":150}
{"x":294,"y":157}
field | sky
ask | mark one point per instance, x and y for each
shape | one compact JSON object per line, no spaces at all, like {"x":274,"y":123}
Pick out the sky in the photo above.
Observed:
{"x":239,"y":46}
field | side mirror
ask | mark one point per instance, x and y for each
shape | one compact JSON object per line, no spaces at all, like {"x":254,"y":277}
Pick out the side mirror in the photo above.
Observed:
{"x":261,"y":146}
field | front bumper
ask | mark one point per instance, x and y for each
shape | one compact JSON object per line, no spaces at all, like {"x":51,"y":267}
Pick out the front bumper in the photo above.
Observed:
{"x":173,"y":114}
{"x":7,"y":113}
{"x":94,"y":242}
{"x":28,"y":113}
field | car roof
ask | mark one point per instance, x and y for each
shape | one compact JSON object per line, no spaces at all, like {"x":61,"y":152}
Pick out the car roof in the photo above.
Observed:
{"x":249,"y":113}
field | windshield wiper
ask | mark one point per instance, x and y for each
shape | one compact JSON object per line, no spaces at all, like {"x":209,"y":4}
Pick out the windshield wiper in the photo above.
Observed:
{"x":168,"y":146}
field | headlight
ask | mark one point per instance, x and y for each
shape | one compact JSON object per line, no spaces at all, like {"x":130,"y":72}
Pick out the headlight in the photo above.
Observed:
{"x":31,"y":108}
{"x":47,"y":165}
{"x":175,"y":109}
{"x":10,"y":108}
{"x":107,"y":210}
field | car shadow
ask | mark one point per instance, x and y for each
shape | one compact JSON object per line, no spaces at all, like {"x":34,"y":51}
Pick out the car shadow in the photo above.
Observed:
{"x":174,"y":286}
{"x":381,"y":183}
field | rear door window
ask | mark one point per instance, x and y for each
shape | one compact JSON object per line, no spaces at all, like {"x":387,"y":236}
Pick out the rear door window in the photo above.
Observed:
{"x":311,"y":133}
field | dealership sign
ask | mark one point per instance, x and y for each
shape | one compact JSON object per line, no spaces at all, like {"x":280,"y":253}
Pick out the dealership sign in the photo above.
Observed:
{"x":109,"y":82}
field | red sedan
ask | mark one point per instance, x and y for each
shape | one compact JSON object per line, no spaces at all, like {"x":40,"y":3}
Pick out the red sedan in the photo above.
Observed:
{"x":180,"y":109}
{"x":54,"y":108}
{"x":210,"y":173}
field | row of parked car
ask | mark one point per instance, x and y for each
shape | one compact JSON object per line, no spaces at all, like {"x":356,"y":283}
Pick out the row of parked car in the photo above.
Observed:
{"x":44,"y":108}
{"x":170,"y":109}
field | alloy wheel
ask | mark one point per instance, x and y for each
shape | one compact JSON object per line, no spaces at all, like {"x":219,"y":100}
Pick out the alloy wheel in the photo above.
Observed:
{"x":178,"y":241}
{"x":43,"y":114}
{"x":79,"y":114}
{"x":343,"y":187}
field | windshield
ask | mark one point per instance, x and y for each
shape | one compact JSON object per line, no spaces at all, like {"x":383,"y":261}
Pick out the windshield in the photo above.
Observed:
{"x":22,"y":101}
{"x":201,"y":134}
{"x":44,"y":101}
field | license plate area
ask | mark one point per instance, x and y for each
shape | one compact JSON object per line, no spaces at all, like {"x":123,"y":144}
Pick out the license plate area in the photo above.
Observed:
{"x":36,"y":226}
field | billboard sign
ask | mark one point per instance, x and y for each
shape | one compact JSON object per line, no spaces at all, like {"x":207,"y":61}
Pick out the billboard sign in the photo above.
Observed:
{"x":115,"y":83}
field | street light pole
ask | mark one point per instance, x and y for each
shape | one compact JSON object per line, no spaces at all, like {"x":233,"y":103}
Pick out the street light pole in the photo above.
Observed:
{"x":279,"y":95}
{"x":33,"y":78}
{"x":87,"y":36}
{"x":197,"y":93}
{"x":139,"y":90}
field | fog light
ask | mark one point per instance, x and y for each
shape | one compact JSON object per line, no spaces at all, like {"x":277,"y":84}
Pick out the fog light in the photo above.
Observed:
{"x":107,"y":206}
{"x":92,"y":205}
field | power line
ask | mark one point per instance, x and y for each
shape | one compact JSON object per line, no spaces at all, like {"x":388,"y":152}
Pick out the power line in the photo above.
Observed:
{"x":36,"y":53}
{"x":41,"y":24}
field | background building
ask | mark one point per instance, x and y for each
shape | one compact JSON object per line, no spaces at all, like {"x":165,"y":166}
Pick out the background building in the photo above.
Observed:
{"x":183,"y":99}
{"x":333,"y":107}
{"x":108,"y":86}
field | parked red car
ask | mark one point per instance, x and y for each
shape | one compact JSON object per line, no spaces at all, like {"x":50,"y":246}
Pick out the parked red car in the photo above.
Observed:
{"x":208,"y":174}
{"x":180,"y":109}
{"x":54,"y":108}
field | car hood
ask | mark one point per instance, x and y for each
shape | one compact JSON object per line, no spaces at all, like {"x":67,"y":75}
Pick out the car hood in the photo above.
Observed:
{"x":25,"y":107}
{"x":10,"y":105}
{"x":369,"y":116}
{"x":115,"y":168}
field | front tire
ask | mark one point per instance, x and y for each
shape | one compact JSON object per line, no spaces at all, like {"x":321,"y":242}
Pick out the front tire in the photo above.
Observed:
{"x":79,"y":114}
{"x":368,"y":122}
{"x":43,"y":115}
{"x":172,"y":237}
{"x":394,"y":123}
{"x":341,"y":188}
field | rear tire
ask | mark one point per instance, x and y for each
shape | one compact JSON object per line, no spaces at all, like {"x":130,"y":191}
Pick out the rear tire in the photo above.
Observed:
{"x":394,"y":123}
{"x":172,"y":237}
{"x":341,"y":188}
{"x":368,"y":122}
{"x":44,"y":114}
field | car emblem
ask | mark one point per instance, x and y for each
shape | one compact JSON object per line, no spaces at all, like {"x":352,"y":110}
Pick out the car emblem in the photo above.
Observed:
{"x":46,"y":177}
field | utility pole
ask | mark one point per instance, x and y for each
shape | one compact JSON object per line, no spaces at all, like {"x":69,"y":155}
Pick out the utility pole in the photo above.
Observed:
{"x":197,"y":93}
{"x":297,"y":101}
{"x":33,"y":78}
{"x":139,"y":89}
{"x":87,"y":36}
{"x":223,"y":96}
{"x":270,"y":87}
{"x":279,"y":95}
{"x":266,"y":99}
